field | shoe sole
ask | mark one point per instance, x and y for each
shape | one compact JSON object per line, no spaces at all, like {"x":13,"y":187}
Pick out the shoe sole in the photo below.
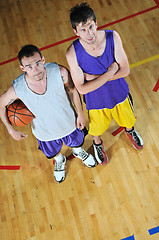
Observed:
{"x":136,"y":147}
{"x":104,"y":163}
{"x":60,"y":180}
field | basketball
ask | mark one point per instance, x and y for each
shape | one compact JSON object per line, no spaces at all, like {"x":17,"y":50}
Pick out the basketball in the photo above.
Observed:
{"x":19,"y":114}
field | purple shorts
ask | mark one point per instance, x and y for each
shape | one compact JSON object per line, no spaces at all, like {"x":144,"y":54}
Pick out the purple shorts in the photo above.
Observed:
{"x":52,"y":148}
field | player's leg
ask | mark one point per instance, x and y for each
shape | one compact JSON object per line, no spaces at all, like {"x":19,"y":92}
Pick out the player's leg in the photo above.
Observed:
{"x":52,"y":149}
{"x":124,"y":115}
{"x":75,"y":140}
{"x":99,"y":121}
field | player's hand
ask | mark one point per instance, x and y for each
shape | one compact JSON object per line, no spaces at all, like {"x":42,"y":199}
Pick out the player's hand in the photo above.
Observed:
{"x":17,"y":135}
{"x":81,"y":121}
{"x":113,"y":68}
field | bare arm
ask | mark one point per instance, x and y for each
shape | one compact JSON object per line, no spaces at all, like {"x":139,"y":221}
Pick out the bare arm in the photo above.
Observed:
{"x":78,"y":75}
{"x":121,"y":58}
{"x":74,"y":96}
{"x":7,"y":98}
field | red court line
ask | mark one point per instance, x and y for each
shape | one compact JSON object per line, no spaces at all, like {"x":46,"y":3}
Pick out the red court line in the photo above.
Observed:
{"x":120,"y":129}
{"x":157,"y":3}
{"x":106,"y":25}
{"x":58,"y":43}
{"x":2,"y":167}
{"x":8,"y":61}
{"x":128,"y":17}
{"x":156,"y":86}
{"x":70,"y":157}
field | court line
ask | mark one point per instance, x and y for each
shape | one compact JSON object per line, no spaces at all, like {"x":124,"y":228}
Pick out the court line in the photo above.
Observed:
{"x":156,"y":86}
{"x":128,"y":17}
{"x":129,"y":238}
{"x":3,"y":167}
{"x":157,"y":3}
{"x":146,"y":60}
{"x":150,"y":59}
{"x":74,"y":37}
{"x":116,"y":132}
{"x":153,"y":231}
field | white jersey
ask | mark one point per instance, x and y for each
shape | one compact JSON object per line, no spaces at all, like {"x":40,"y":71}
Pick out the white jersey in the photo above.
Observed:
{"x":54,"y":115}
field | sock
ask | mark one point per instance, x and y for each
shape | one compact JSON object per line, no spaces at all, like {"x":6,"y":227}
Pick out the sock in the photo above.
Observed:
{"x":77,"y":150}
{"x":130,"y":130}
{"x":59,"y":158}
{"x":98,"y":143}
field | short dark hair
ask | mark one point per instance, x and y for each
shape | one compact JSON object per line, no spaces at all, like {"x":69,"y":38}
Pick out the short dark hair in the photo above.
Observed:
{"x":28,"y":51}
{"x":81,"y":13}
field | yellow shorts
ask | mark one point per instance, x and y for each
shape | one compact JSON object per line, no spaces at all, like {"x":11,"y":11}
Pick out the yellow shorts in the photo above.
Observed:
{"x":99,"y":120}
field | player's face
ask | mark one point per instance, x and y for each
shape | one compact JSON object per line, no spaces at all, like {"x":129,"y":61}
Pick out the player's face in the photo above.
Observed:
{"x":87,"y":32}
{"x":34,"y":66}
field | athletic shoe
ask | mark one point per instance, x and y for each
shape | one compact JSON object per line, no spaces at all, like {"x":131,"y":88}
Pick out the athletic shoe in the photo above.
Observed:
{"x":59,"y":172}
{"x":135,"y":138}
{"x":86,"y":158}
{"x":100,"y":153}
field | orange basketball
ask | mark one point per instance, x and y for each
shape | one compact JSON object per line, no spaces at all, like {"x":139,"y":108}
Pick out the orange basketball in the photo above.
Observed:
{"x":19,"y":114}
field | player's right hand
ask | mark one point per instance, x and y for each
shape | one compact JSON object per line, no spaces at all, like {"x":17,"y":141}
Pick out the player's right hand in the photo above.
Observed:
{"x":114,"y":67}
{"x":17,"y":135}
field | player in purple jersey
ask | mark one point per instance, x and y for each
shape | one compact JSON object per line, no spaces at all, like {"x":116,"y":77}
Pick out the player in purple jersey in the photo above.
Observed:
{"x":98,"y":65}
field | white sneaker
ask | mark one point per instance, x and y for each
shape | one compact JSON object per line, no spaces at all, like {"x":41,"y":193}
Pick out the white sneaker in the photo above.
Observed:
{"x":86,"y":158}
{"x":59,"y":172}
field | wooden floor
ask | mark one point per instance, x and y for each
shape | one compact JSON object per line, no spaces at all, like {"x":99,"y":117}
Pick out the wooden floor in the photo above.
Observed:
{"x":113,"y":202}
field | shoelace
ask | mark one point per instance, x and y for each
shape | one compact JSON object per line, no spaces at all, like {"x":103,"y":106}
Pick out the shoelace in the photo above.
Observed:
{"x":99,"y":150}
{"x":135,"y":136}
{"x":58,"y":166}
{"x":83,"y":154}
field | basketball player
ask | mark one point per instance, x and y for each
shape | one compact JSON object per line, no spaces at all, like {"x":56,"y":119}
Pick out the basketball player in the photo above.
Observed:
{"x":44,"y":89}
{"x":98,"y":65}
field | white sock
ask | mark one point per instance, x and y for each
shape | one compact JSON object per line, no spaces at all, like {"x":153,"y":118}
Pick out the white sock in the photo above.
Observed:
{"x":59,"y":158}
{"x":77,"y":150}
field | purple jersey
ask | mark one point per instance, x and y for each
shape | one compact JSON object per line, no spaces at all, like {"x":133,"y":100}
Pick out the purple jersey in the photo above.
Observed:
{"x":112,"y":92}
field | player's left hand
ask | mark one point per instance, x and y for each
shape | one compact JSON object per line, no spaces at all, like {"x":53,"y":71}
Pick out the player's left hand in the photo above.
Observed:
{"x":81,"y":121}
